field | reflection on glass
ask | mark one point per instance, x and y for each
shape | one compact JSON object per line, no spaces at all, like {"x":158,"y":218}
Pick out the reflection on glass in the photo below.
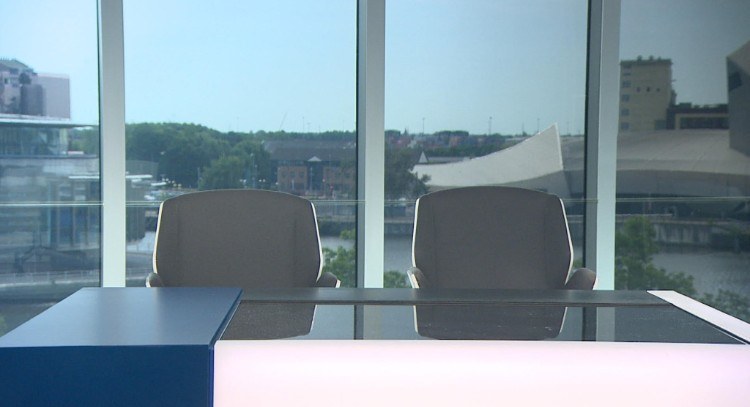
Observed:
{"x":50,"y":225}
{"x":261,"y":97}
{"x":623,"y":323}
{"x":489,"y":322}
{"x":270,"y":321}
{"x":683,"y":180}
{"x":469,"y":92}
{"x":50,"y":222}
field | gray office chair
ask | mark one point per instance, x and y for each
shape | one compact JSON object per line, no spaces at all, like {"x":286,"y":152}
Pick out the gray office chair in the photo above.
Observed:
{"x":241,"y":238}
{"x":492,"y":237}
{"x":247,"y":239}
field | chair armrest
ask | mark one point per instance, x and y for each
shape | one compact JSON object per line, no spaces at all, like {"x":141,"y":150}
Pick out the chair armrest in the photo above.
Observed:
{"x":153,"y":280}
{"x":327,"y":280}
{"x":581,"y":279}
{"x":416,"y":278}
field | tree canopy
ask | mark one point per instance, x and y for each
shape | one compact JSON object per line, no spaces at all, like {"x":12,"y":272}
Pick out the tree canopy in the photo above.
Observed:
{"x":195,"y":156}
{"x":181,"y":150}
{"x":635,"y":245}
{"x":400,"y":182}
{"x":342,"y":262}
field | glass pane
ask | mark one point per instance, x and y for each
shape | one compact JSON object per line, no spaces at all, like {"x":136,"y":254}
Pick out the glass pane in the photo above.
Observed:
{"x":482,"y":93}
{"x":456,"y":321}
{"x":241,"y":94}
{"x":683,"y":181}
{"x":49,"y":156}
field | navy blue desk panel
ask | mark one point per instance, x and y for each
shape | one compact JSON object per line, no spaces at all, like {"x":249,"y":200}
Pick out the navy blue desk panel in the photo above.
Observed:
{"x":118,"y":347}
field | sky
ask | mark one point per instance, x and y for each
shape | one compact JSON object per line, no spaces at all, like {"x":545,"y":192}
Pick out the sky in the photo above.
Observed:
{"x":479,"y":65}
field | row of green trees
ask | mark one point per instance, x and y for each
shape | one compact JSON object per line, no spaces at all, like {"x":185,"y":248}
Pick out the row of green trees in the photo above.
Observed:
{"x":197,"y":157}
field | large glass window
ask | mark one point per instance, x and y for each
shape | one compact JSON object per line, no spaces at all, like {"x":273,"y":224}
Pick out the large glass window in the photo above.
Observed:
{"x":683,"y":180}
{"x":241,"y":94}
{"x":476,"y":92}
{"x":259,"y":94}
{"x":49,"y":155}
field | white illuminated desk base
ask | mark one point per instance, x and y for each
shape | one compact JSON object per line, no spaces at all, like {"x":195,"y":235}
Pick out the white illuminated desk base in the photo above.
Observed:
{"x":487,"y":373}
{"x":477,"y":373}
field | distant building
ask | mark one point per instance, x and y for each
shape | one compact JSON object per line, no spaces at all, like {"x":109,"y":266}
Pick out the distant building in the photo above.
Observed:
{"x":12,"y":75}
{"x":314,"y":167}
{"x":688,"y":116}
{"x":395,"y":139}
{"x":738,"y":87}
{"x":54,"y":220}
{"x":24,"y":92}
{"x":510,"y":167}
{"x":37,"y":167}
{"x":645,"y":94}
{"x":56,"y":95}
{"x":657,"y":163}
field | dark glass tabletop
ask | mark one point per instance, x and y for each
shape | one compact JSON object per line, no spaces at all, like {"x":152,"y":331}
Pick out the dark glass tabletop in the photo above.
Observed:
{"x":561,"y":315}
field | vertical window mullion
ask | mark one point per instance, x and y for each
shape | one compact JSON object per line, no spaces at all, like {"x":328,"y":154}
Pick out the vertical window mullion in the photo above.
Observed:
{"x":601,"y":139}
{"x":370,"y":142}
{"x":112,"y":138}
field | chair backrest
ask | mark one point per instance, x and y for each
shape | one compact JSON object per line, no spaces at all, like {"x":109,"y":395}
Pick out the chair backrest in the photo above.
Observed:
{"x":492,"y":237}
{"x":242,"y":238}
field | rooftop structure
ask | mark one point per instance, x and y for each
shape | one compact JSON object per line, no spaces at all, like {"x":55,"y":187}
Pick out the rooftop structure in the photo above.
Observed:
{"x":645,"y":93}
{"x":684,"y":163}
{"x":689,"y":116}
{"x":510,"y":166}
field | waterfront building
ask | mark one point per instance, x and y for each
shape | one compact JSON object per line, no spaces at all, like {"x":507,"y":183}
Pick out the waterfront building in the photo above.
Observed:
{"x":314,"y":167}
{"x":37,"y":166}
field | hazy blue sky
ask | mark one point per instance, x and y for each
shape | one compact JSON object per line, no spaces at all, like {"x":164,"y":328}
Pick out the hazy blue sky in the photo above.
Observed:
{"x":696,"y":34}
{"x":269,"y":65}
{"x":56,"y":37}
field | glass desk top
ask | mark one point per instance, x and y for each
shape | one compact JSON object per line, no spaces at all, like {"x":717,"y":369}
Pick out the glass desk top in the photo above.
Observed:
{"x":373,"y":314}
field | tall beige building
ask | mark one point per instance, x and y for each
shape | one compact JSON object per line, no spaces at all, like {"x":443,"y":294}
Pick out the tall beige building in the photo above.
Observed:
{"x":645,"y":94}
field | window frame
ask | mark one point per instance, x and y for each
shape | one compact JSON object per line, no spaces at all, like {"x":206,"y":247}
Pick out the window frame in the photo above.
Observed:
{"x":602,"y":107}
